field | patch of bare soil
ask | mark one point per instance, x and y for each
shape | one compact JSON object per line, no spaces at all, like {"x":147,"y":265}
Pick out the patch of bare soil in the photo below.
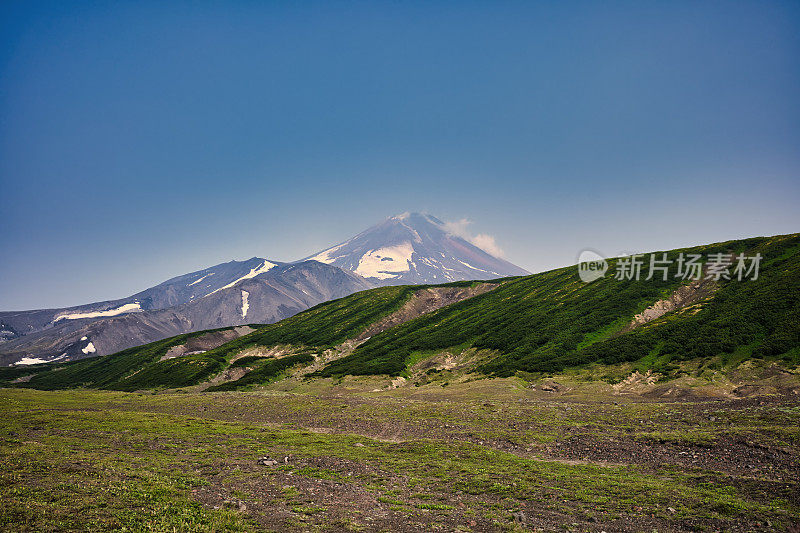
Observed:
{"x":231,"y":374}
{"x":279,"y":499}
{"x":281,"y":350}
{"x":683,"y":296}
{"x":636,"y":382}
{"x":424,"y":301}
{"x":551,"y":387}
{"x":206,"y":342}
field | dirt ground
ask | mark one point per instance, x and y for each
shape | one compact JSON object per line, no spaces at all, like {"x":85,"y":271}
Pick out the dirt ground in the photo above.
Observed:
{"x":485,"y":455}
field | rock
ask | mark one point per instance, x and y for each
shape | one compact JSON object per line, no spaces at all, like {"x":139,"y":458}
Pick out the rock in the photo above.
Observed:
{"x":286,"y":460}
{"x":671,"y":510}
{"x":360,"y":445}
{"x":242,"y":506}
{"x":520,"y":517}
{"x":552,"y":386}
{"x":266,"y":461}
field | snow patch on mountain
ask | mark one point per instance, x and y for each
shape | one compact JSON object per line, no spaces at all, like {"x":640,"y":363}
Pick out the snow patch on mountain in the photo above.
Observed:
{"x":386,"y":263}
{"x":89,"y":349}
{"x":126,"y":308}
{"x":475,"y":268}
{"x":30,"y":361}
{"x":199,"y":280}
{"x":325,"y":255}
{"x":265,"y":267}
{"x":38,"y":361}
{"x":245,"y":303}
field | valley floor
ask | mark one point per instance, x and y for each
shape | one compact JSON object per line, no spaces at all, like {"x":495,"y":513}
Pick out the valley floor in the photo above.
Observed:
{"x":487,"y":455}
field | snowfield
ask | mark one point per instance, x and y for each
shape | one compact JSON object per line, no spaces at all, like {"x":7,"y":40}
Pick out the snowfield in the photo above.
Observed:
{"x":325,"y":256}
{"x":30,"y":361}
{"x":127,"y":308}
{"x":476,"y":268}
{"x":245,"y":303}
{"x":253,"y":273}
{"x":385,"y":263}
{"x":199,"y":280}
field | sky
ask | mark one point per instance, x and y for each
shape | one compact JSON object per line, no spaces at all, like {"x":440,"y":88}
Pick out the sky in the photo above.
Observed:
{"x":143,"y":140}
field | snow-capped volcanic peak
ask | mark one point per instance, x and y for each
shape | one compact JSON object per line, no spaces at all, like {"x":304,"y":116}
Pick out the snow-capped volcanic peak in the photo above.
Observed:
{"x":386,"y":263}
{"x":415,"y":248}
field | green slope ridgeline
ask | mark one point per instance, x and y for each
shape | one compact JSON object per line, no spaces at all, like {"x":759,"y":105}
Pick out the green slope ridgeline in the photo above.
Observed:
{"x":551,"y":321}
{"x":321,"y":327}
{"x":542,"y":323}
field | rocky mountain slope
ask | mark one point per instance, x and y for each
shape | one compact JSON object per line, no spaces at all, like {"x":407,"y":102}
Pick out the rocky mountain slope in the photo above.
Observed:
{"x":414,"y":248}
{"x":175,"y":291}
{"x":409,"y":248}
{"x":530,"y":326}
{"x":259,"y":296}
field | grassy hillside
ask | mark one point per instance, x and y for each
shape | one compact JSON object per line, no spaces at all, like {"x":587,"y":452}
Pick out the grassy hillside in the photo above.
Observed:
{"x":542,"y":323}
{"x":136,"y":368}
{"x":551,"y":321}
{"x":123,"y":370}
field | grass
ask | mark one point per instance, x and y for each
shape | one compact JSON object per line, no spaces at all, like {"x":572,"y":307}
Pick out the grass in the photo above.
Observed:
{"x":83,"y":460}
{"x":552,"y":321}
{"x":265,"y":370}
{"x":321,"y":327}
{"x":534,"y":325}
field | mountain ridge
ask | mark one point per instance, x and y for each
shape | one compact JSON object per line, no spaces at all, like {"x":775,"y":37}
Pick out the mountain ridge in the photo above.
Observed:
{"x":531,"y":325}
{"x":179,"y":304}
{"x":415,"y":248}
{"x":265,"y":297}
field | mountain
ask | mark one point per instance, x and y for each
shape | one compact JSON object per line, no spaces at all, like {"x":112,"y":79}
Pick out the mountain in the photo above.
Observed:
{"x":176,"y":291}
{"x":261,"y":292}
{"x":728,"y":329}
{"x":405,"y":249}
{"x":414,"y":248}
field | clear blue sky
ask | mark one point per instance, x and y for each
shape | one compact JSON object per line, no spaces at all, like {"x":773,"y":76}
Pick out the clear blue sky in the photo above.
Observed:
{"x":142,"y":140}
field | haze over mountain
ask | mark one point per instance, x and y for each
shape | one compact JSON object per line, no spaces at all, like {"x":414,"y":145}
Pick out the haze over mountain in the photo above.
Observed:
{"x":415,"y":248}
{"x":405,"y":249}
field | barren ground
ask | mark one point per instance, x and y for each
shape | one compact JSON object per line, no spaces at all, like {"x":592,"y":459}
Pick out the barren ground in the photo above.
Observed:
{"x":486,"y":455}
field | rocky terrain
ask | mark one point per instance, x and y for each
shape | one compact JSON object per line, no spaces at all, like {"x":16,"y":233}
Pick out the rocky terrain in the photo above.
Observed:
{"x":408,"y":248}
{"x":492,"y":455}
{"x":278,"y":292}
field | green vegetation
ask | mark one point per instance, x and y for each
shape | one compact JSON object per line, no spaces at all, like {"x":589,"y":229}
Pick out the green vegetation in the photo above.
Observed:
{"x":539,"y":324}
{"x":129,"y":369}
{"x":265,"y":371}
{"x":90,"y":461}
{"x":138,"y":368}
{"x":552,"y":321}
{"x":332,"y":323}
